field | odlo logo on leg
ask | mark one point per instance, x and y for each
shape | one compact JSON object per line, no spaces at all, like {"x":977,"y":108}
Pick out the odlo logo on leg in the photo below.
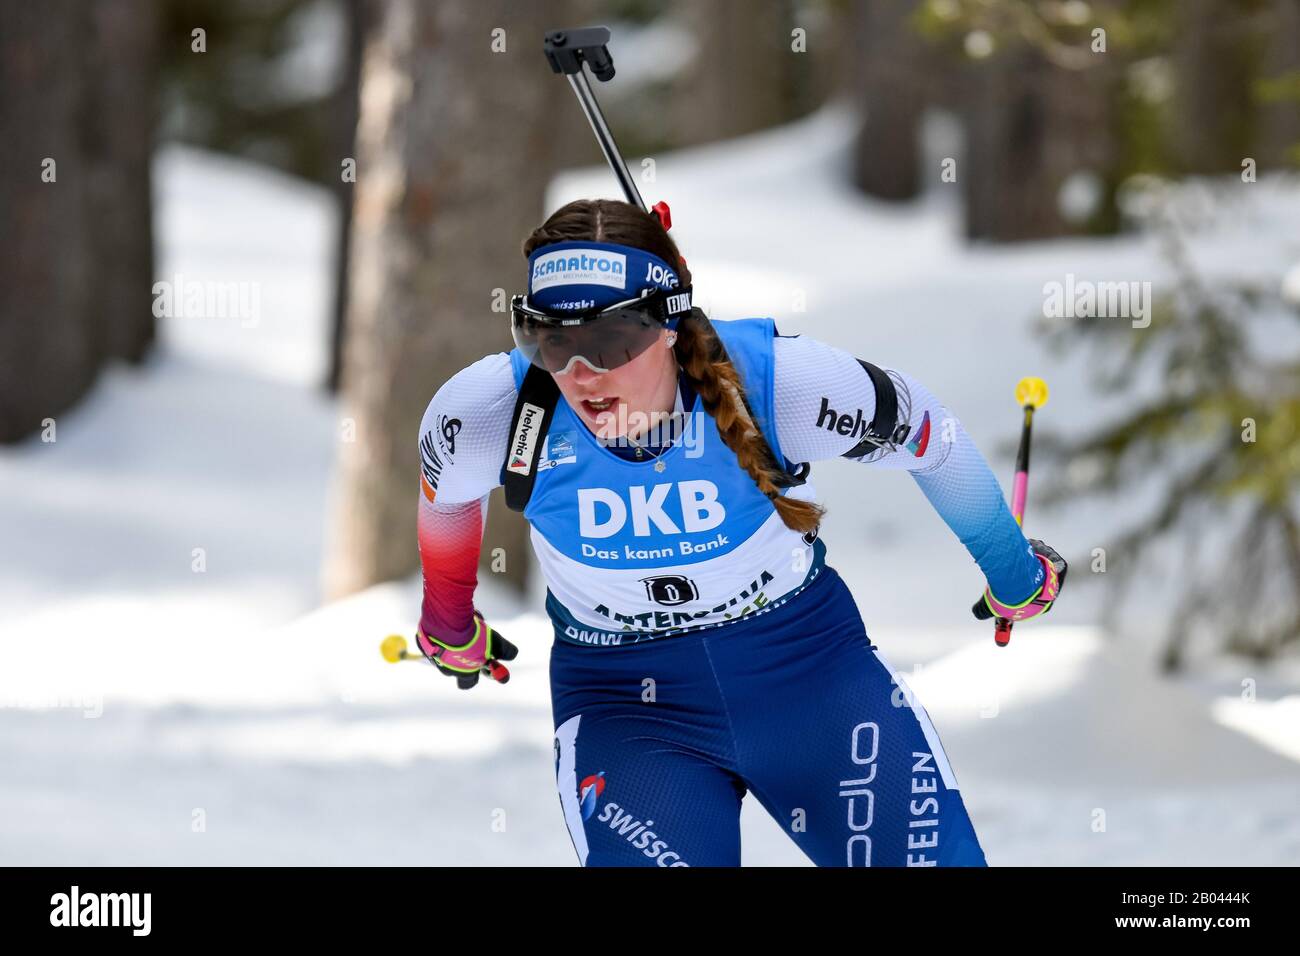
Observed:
{"x":864,"y":746}
{"x":634,"y":831}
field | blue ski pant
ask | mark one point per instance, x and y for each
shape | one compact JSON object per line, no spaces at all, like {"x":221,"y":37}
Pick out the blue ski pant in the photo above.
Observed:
{"x":657,"y":743}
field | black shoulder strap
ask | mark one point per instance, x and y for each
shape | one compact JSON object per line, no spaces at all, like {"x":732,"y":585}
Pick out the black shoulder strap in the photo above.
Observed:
{"x":534,"y":409}
{"x":884,"y":423}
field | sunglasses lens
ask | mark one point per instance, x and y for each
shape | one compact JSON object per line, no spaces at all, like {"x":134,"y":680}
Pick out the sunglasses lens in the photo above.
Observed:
{"x":604,"y":343}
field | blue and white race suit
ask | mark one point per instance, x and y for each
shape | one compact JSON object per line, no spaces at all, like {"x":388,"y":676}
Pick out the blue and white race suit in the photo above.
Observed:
{"x":702,"y":649}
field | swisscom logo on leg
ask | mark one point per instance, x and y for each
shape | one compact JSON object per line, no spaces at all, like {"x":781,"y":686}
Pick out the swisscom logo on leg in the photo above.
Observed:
{"x":635,"y":831}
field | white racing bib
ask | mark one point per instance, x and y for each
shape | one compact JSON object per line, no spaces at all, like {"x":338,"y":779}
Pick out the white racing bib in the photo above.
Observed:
{"x":626,"y":547}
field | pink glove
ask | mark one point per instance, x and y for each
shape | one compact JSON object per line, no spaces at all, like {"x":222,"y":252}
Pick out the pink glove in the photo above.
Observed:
{"x":466,"y":660}
{"x":1040,"y":602}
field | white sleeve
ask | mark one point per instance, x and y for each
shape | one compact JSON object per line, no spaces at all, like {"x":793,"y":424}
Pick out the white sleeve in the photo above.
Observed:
{"x":464,"y":432}
{"x":825,"y":401}
{"x":824,"y":404}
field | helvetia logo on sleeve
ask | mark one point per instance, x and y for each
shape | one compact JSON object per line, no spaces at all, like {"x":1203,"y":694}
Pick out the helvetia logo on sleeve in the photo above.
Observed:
{"x":854,"y":426}
{"x":102,"y":909}
{"x":918,"y":444}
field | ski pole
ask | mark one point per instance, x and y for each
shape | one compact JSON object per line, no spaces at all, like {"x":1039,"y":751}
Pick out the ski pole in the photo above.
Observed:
{"x":567,"y":51}
{"x":394,"y":650}
{"x":1031,"y":394}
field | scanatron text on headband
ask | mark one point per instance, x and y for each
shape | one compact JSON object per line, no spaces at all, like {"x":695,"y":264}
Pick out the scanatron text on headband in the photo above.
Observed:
{"x":581,"y":275}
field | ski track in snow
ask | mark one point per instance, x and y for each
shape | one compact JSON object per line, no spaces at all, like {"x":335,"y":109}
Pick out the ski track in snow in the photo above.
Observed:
{"x":138,"y":697}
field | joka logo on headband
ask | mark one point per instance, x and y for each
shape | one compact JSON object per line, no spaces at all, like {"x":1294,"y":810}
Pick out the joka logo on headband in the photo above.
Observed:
{"x":579,"y":266}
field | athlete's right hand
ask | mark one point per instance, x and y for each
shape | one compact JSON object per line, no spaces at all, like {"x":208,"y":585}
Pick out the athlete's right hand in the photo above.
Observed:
{"x":1040,"y":602}
{"x":481,"y":653}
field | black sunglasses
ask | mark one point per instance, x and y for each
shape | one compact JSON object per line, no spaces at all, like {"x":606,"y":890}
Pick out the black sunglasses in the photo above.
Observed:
{"x":603,"y":338}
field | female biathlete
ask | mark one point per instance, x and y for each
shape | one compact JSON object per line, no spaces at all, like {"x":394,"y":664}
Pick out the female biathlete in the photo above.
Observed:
{"x":703,"y":648}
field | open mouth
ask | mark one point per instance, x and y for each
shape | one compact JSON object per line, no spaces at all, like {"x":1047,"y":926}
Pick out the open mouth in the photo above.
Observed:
{"x":595,"y":407}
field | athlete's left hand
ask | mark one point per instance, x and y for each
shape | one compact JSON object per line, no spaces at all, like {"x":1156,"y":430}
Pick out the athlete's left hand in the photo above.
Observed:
{"x":1040,"y":602}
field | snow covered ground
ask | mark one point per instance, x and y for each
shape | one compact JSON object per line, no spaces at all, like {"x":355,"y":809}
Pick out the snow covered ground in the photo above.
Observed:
{"x":160,"y":704}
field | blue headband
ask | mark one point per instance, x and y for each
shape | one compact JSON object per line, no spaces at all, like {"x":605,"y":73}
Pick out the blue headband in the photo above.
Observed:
{"x":576,"y":276}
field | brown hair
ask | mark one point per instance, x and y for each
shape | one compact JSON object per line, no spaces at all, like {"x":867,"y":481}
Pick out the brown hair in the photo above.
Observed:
{"x":699,"y":351}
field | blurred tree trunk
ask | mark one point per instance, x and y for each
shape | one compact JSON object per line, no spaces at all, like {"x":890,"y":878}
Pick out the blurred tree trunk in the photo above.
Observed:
{"x":77,"y":274}
{"x":453,"y":160}
{"x":47,"y":353}
{"x":889,"y":77}
{"x":1029,"y":124}
{"x":343,"y":113}
{"x":740,"y":81}
{"x":1280,"y":116}
{"x":119,"y":128}
{"x":1215,"y":61}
